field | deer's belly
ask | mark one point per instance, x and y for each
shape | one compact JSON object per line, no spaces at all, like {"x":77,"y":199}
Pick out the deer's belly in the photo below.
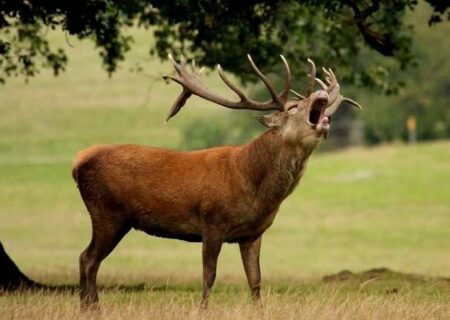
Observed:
{"x":172,"y":234}
{"x":180,"y":226}
{"x":188,"y":226}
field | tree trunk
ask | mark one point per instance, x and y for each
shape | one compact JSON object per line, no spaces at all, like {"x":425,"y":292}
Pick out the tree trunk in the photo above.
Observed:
{"x":11,"y":278}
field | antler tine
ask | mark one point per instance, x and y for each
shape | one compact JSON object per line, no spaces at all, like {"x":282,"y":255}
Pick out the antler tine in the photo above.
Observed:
{"x":174,"y":62}
{"x":333,"y":77}
{"x":352,"y":102}
{"x":310,"y":86}
{"x":230,"y":84}
{"x":266,"y":81}
{"x":322,"y":84}
{"x":298,"y":95}
{"x":182,"y":60}
{"x":194,"y":69}
{"x":185,"y":94}
{"x":327,"y":78}
{"x":288,"y":81}
{"x":333,"y":88}
{"x":178,"y":104}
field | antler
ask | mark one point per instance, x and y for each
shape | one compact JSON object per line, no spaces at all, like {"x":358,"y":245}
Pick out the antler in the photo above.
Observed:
{"x":311,"y":82}
{"x":333,"y":90}
{"x":312,"y":77}
{"x":192,"y":85}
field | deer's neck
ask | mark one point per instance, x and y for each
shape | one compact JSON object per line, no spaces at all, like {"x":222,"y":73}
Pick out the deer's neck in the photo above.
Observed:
{"x":273,"y":167}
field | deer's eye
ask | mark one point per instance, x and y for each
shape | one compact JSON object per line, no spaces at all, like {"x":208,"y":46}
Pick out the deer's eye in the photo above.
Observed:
{"x":293,"y":110}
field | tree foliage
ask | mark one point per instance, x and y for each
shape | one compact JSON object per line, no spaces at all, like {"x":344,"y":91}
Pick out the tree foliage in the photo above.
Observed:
{"x":333,"y":32}
{"x":384,"y":117}
{"x":426,"y":96}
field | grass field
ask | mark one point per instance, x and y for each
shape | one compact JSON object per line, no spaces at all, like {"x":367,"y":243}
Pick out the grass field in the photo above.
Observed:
{"x":356,"y":209}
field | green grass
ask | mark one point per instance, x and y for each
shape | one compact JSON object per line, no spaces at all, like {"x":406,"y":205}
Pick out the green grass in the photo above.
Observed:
{"x":356,"y":209}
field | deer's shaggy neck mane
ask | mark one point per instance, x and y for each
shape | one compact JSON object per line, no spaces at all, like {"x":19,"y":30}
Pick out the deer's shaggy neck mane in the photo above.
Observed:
{"x":273,"y":166}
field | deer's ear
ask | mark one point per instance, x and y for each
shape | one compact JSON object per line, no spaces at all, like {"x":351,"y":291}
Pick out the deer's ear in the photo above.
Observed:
{"x":272,"y":120}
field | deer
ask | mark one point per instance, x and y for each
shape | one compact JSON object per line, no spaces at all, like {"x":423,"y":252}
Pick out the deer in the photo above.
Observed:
{"x":227,"y":194}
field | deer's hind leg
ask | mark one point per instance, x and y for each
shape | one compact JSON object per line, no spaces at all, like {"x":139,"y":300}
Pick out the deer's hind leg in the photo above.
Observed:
{"x":107,"y":230}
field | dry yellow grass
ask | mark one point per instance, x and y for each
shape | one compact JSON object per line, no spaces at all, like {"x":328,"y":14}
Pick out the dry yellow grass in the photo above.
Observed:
{"x":375,"y":294}
{"x":170,"y":305}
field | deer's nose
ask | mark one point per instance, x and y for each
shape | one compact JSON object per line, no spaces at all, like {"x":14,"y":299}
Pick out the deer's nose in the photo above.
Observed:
{"x":321,"y":95}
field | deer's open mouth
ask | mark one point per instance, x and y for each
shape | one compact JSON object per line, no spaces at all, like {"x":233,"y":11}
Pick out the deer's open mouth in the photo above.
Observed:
{"x":317,"y":114}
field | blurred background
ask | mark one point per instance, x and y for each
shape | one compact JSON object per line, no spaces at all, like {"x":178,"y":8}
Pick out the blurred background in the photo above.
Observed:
{"x":376,"y":193}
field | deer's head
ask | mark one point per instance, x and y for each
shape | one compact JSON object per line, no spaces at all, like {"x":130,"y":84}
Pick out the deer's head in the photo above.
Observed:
{"x":302,"y":120}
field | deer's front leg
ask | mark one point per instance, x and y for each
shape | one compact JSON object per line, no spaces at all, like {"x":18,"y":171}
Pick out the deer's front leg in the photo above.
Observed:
{"x":250,"y":258}
{"x":212,"y":243}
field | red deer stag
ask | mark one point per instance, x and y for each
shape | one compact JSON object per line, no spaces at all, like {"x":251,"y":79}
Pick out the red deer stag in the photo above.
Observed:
{"x":224,"y":194}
